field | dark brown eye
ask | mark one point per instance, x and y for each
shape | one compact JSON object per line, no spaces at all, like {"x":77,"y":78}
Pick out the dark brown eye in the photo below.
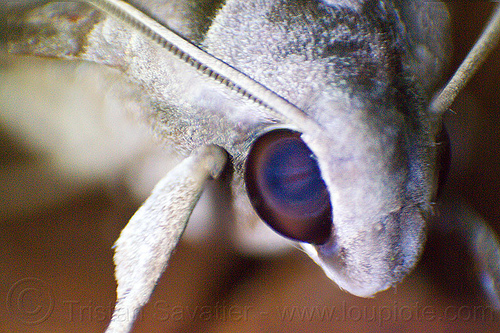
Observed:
{"x":285,"y":187}
{"x":443,"y":159}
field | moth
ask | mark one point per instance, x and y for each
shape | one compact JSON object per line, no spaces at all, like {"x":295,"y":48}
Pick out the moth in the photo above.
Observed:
{"x":325,"y":111}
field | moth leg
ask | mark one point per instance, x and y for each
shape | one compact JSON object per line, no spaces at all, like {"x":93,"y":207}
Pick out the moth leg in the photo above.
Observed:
{"x":480,"y":240}
{"x":146,"y":243}
{"x":485,"y":247}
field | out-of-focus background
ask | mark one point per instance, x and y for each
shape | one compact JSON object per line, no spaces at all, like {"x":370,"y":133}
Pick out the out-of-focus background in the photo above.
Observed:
{"x":56,"y":237}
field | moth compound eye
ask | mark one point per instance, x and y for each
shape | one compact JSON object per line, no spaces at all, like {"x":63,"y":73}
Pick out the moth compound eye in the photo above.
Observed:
{"x":285,"y":187}
{"x":443,"y":159}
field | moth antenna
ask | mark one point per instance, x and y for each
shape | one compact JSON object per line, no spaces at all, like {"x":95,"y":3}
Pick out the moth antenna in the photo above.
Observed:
{"x":486,"y":43}
{"x":206,"y":63}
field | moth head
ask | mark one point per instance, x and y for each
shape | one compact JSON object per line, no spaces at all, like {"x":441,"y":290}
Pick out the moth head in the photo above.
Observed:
{"x":355,"y":199}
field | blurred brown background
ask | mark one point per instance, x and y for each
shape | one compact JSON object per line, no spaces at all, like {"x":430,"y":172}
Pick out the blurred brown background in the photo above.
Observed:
{"x":57,"y":269}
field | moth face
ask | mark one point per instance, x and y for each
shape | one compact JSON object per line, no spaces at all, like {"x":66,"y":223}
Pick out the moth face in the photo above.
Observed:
{"x":355,"y":192}
{"x":326,"y":105}
{"x":357,"y":207}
